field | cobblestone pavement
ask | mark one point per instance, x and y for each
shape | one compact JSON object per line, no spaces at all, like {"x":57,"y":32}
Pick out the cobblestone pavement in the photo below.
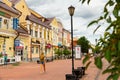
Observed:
{"x":55,"y":70}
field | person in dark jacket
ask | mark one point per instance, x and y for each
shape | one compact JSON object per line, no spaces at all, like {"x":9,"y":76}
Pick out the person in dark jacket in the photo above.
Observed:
{"x":5,"y":59}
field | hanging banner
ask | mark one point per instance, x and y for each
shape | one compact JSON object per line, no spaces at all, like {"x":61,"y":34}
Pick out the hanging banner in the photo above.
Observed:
{"x":78,"y":52}
{"x":15,"y":23}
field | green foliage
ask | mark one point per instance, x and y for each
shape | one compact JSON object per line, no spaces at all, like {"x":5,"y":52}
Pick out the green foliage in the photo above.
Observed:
{"x":84,"y":43}
{"x":86,"y":59}
{"x":113,"y":77}
{"x":109,"y":44}
{"x":98,"y":62}
{"x":66,"y":52}
{"x":1,"y":55}
{"x":58,"y":52}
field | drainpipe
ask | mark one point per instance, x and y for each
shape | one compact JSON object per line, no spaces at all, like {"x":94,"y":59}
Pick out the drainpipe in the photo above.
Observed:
{"x":14,"y":41}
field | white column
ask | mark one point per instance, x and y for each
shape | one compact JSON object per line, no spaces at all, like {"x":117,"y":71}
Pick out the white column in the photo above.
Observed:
{"x":28,"y":26}
{"x":43,"y":32}
{"x":38,"y":31}
{"x":34,"y":30}
{"x":46,"y":34}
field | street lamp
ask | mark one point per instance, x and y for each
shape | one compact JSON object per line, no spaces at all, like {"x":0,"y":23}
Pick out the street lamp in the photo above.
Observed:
{"x":71,"y":12}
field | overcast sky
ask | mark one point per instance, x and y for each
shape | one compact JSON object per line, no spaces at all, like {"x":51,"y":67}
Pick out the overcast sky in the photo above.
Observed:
{"x":82,"y":16}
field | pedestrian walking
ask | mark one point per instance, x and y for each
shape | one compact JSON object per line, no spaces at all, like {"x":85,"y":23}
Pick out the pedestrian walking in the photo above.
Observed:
{"x":42,"y":60}
{"x":5,"y":59}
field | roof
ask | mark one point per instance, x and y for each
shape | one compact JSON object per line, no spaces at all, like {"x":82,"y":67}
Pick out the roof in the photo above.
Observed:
{"x":66,"y":30}
{"x":48,"y":20}
{"x":37,"y":20}
{"x":21,"y":30}
{"x":4,"y":6}
{"x":14,"y":1}
{"x":35,"y":13}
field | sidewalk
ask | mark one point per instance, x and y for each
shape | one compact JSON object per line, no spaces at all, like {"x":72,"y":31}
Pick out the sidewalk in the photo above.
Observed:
{"x":56,"y":70}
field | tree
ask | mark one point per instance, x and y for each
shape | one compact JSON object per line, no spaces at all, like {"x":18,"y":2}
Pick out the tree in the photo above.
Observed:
{"x":84,"y":43}
{"x":109,"y":44}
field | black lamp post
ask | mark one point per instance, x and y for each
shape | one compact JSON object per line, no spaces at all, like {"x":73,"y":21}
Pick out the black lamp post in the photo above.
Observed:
{"x":71,"y":12}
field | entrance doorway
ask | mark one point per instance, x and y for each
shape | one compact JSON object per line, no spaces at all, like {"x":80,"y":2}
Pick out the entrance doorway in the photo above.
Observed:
{"x":19,"y":52}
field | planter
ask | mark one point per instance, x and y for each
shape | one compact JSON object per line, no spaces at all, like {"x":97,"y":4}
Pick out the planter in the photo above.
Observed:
{"x":70,"y":77}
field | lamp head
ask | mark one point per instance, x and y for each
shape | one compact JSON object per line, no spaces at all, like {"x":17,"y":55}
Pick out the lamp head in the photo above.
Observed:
{"x":71,"y":10}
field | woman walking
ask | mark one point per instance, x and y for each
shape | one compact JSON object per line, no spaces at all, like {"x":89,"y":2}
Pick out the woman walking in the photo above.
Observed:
{"x":42,"y":60}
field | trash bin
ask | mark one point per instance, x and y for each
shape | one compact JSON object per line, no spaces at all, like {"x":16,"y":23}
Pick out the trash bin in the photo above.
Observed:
{"x":81,"y":72}
{"x":70,"y":77}
{"x":83,"y":68}
{"x":77,"y":73}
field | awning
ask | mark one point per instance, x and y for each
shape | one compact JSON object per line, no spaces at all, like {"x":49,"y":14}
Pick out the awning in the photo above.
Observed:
{"x":48,"y":45}
{"x":19,"y":47}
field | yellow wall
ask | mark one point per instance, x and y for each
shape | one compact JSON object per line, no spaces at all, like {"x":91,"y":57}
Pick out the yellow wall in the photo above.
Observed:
{"x":10,"y":44}
{"x":8,"y":32}
{"x":54,"y":22}
{"x":22,"y":7}
{"x":54,"y":25}
{"x":7,"y":2}
{"x":35,"y":54}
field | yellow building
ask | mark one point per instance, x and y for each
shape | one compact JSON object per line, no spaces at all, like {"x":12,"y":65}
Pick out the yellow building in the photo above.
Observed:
{"x":7,"y":33}
{"x":39,"y":32}
{"x":60,"y":34}
{"x":22,"y":41}
{"x":54,"y":27}
{"x":36,"y":33}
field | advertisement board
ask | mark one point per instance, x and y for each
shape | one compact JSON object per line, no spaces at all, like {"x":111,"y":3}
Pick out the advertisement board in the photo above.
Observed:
{"x":78,"y":52}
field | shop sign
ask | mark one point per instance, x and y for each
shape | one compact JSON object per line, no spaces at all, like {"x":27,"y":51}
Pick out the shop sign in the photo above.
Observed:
{"x":2,"y":13}
{"x":17,"y":42}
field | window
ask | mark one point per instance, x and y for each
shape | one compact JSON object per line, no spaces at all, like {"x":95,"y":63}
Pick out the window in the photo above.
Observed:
{"x":40,"y":34}
{"x":32,"y":50}
{"x":0,"y":22}
{"x":36,"y":49}
{"x":36,"y":35}
{"x":48,"y":35}
{"x":7,"y":24}
{"x":31,"y":32}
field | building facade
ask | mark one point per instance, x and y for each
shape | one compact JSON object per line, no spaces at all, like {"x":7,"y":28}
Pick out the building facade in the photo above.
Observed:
{"x":7,"y":31}
{"x":36,"y":34}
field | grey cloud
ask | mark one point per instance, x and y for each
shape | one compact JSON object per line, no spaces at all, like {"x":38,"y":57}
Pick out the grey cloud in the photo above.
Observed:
{"x":38,"y":2}
{"x":82,"y":16}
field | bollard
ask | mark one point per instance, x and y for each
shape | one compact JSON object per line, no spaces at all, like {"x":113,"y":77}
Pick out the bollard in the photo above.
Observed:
{"x":70,"y":77}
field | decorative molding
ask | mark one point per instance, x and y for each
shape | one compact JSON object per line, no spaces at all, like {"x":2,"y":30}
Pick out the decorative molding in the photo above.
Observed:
{"x":8,"y":33}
